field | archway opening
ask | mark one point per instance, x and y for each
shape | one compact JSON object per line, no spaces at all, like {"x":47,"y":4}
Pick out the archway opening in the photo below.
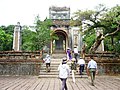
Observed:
{"x":60,"y":44}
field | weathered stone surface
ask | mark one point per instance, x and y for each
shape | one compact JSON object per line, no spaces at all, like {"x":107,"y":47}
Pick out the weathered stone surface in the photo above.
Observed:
{"x":108,"y":62}
{"x":29,"y":68}
{"x":20,"y":63}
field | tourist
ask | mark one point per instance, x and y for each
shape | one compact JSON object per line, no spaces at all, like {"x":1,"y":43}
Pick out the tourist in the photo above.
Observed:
{"x":81,"y":63}
{"x":73,"y":69}
{"x":92,"y":68}
{"x":83,"y":51}
{"x":69,"y":54}
{"x":47,"y":60}
{"x":64,"y":72}
{"x":76,"y":53}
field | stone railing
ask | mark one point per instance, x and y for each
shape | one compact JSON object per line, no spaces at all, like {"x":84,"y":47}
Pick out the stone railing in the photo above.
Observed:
{"x":20,"y":63}
{"x":108,"y":62}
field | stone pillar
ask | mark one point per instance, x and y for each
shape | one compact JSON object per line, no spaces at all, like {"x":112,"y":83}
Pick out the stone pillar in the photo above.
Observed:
{"x":76,"y":38}
{"x":17,"y":37}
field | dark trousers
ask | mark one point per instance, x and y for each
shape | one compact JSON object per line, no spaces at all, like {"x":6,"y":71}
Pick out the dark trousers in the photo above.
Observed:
{"x":76,"y":56}
{"x":81,"y":69}
{"x":92,"y":75}
{"x":64,"y":85}
{"x":47,"y":67}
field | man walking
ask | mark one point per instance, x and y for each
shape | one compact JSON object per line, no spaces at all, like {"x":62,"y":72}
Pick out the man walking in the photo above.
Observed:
{"x":81,"y":63}
{"x":64,"y":72}
{"x":47,"y":61}
{"x":92,"y":68}
{"x":76,"y":53}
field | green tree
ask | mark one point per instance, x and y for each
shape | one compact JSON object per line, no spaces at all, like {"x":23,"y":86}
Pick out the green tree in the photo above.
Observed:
{"x":5,"y":41}
{"x":42,"y":34}
{"x":40,"y":37}
{"x":112,"y":22}
{"x":8,"y":29}
{"x":101,"y":18}
{"x":27,"y":39}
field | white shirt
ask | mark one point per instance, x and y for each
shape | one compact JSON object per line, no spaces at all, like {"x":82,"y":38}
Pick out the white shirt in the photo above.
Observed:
{"x":47,"y":59}
{"x":75,"y":50}
{"x":81,"y":61}
{"x":92,"y":64}
{"x":64,"y":70}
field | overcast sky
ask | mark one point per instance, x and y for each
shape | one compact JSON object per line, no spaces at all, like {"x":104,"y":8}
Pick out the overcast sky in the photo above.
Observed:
{"x":25,"y":11}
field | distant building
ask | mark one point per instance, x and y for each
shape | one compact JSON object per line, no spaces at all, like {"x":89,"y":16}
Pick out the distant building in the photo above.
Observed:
{"x":68,"y":36}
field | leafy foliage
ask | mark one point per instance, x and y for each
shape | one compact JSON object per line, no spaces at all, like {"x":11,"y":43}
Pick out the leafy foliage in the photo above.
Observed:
{"x":36,"y":40}
{"x":27,"y":39}
{"x":5,"y":40}
{"x":104,"y":19}
{"x":89,"y":39}
{"x":42,"y":34}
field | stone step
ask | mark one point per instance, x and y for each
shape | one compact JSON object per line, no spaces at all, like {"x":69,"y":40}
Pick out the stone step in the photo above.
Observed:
{"x":55,"y":70}
{"x":55,"y":73}
{"x":51,"y":65}
{"x":56,"y":76}
{"x":55,"y":62}
{"x":52,"y":70}
{"x":58,"y":56}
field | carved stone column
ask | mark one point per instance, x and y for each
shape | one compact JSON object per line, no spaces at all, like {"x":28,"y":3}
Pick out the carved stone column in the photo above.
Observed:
{"x":17,"y":37}
{"x":76,"y":38}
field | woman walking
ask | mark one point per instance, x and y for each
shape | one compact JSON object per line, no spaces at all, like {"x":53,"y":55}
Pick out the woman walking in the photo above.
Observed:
{"x":64,"y":72}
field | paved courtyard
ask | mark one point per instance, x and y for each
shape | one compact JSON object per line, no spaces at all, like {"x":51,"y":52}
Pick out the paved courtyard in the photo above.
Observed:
{"x":35,"y":83}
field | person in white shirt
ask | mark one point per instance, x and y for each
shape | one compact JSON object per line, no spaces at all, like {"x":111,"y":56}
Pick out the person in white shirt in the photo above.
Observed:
{"x":76,"y":53}
{"x":64,"y":73}
{"x":92,"y":68}
{"x":47,"y":61}
{"x":81,"y":63}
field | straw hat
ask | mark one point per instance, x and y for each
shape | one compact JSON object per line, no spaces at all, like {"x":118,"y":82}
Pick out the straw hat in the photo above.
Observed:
{"x":80,"y":57}
{"x":73,"y":59}
{"x":68,"y":48}
{"x":64,"y":60}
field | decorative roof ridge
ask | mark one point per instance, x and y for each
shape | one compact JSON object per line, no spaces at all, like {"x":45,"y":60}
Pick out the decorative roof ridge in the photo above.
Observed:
{"x":56,"y":8}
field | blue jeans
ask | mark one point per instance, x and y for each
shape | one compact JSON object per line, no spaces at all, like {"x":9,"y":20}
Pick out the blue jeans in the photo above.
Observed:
{"x":81,"y":69}
{"x":64,"y":85}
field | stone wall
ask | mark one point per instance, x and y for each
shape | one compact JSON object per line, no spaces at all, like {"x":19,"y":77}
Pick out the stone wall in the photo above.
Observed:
{"x":107,"y":63}
{"x":108,"y":68}
{"x":20,"y":63}
{"x":24,"y":68}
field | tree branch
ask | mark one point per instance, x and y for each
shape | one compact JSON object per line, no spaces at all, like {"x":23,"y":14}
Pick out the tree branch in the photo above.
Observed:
{"x":108,"y":34}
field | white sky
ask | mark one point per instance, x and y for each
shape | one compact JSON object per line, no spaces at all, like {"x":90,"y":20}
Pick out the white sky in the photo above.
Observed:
{"x":25,"y":11}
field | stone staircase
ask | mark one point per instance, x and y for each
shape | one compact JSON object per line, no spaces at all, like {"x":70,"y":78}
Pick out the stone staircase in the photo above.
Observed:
{"x":56,"y":59}
{"x":58,"y":56}
{"x":53,"y":72}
